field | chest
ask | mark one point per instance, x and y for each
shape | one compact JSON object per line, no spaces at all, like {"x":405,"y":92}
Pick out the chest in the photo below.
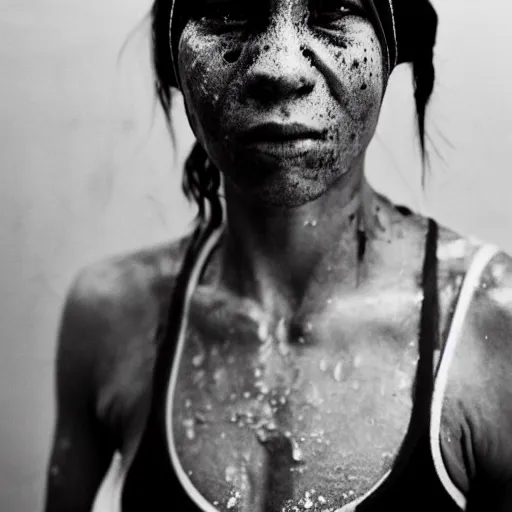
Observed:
{"x":268,"y":418}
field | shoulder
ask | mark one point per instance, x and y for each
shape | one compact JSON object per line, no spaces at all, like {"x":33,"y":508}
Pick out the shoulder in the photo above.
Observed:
{"x":112,"y":311}
{"x":479,"y":393}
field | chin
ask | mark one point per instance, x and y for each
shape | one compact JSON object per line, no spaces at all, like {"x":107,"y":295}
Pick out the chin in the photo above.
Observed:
{"x":286,"y":190}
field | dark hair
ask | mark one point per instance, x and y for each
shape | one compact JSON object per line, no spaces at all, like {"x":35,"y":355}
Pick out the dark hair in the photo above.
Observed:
{"x":416,"y":27}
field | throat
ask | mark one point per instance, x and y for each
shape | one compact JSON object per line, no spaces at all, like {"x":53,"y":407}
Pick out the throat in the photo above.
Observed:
{"x":277,"y":255}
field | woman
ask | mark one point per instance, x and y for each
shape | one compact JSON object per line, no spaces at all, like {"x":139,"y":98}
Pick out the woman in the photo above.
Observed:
{"x":310,"y":346}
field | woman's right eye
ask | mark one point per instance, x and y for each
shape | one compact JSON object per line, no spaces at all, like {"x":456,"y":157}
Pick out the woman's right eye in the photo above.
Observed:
{"x":227,"y":13}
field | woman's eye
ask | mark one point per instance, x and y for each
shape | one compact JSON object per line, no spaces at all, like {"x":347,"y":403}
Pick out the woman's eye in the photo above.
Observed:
{"x":229,"y":13}
{"x":328,"y":12}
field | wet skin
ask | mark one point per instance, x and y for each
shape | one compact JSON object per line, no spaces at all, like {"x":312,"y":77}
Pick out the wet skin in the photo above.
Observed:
{"x":299,"y":356}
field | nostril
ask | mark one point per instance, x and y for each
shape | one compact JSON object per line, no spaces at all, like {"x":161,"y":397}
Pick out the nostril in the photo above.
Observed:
{"x":232,"y":56}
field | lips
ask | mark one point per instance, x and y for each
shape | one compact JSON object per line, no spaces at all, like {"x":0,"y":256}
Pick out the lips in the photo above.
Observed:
{"x":282,"y":139}
{"x":280,"y":132}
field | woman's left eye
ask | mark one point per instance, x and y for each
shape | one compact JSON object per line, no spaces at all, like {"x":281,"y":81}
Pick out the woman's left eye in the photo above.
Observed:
{"x":328,"y":12}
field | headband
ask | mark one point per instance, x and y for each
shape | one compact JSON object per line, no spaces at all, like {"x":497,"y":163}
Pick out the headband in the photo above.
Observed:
{"x":404,"y":27}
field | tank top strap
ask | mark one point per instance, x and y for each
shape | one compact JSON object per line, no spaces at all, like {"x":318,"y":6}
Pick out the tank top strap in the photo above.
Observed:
{"x":470,"y":283}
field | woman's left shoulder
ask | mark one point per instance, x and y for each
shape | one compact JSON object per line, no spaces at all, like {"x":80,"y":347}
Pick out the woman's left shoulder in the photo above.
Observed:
{"x":480,"y":382}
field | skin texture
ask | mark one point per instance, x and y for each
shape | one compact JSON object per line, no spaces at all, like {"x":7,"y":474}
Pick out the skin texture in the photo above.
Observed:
{"x":294,"y":336}
{"x":327,"y":74}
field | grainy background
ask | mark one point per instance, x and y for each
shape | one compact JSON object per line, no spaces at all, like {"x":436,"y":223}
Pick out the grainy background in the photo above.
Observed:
{"x":88,"y":170}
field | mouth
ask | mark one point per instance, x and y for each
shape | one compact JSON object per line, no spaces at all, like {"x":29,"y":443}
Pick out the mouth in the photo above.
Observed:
{"x":282,"y":140}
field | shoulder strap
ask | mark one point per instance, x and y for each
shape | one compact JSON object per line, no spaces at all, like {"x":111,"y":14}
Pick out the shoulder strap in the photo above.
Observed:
{"x":471,"y":281}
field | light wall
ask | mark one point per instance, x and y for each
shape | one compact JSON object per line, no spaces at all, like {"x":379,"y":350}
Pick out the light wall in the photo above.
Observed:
{"x":88,"y":170}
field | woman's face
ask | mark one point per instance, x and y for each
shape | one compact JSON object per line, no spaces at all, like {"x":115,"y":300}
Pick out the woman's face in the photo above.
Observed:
{"x":284,"y":95}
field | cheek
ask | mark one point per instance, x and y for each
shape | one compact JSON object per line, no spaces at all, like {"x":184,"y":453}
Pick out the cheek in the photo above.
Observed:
{"x":360,"y":67}
{"x":205,"y":71}
{"x":363,"y":67}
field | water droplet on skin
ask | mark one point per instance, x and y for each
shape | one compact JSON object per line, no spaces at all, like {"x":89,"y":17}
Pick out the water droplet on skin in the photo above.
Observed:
{"x":301,"y":340}
{"x":263,"y":332}
{"x":55,"y":471}
{"x":403,"y":384}
{"x":309,"y":327}
{"x":190,"y":431}
{"x":358,"y":361}
{"x":247,"y":395}
{"x":356,"y":385}
{"x":338,"y":369}
{"x":198,"y":360}
{"x":322,"y":500}
{"x":329,"y":301}
{"x":257,"y":373}
{"x":271,"y":426}
{"x":231,"y":502}
{"x":306,"y":223}
{"x":230,"y":474}
{"x":323,"y":365}
{"x":188,"y":404}
{"x":215,"y":503}
{"x":231,"y":359}
{"x":314,"y":223}
{"x":297,"y":454}
{"x":190,"y":473}
{"x":262,"y":435}
{"x":308,"y":504}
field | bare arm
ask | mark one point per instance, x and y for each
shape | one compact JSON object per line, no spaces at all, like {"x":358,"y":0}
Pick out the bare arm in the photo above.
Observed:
{"x":82,"y":448}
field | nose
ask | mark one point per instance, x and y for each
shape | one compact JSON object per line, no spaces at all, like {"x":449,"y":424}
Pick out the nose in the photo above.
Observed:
{"x":281,"y":70}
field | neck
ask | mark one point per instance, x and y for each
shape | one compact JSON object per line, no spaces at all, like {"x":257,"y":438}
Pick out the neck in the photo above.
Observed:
{"x":272,"y":254}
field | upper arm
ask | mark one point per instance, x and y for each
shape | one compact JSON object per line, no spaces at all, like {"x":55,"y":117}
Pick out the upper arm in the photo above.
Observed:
{"x":480,"y":398}
{"x":82,"y":447}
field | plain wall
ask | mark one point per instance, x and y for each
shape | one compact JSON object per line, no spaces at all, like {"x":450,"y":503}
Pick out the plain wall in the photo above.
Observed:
{"x":88,"y":170}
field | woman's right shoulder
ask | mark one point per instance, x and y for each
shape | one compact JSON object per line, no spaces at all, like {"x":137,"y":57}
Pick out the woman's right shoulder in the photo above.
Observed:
{"x":114,"y":306}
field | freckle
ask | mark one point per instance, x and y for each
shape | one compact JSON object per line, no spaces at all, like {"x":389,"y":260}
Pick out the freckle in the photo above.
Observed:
{"x":353,"y":136}
{"x":365,"y":60}
{"x":355,"y":64}
{"x":363,"y":87}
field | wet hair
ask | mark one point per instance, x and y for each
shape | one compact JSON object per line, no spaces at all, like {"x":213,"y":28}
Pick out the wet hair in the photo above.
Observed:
{"x":414,"y":27}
